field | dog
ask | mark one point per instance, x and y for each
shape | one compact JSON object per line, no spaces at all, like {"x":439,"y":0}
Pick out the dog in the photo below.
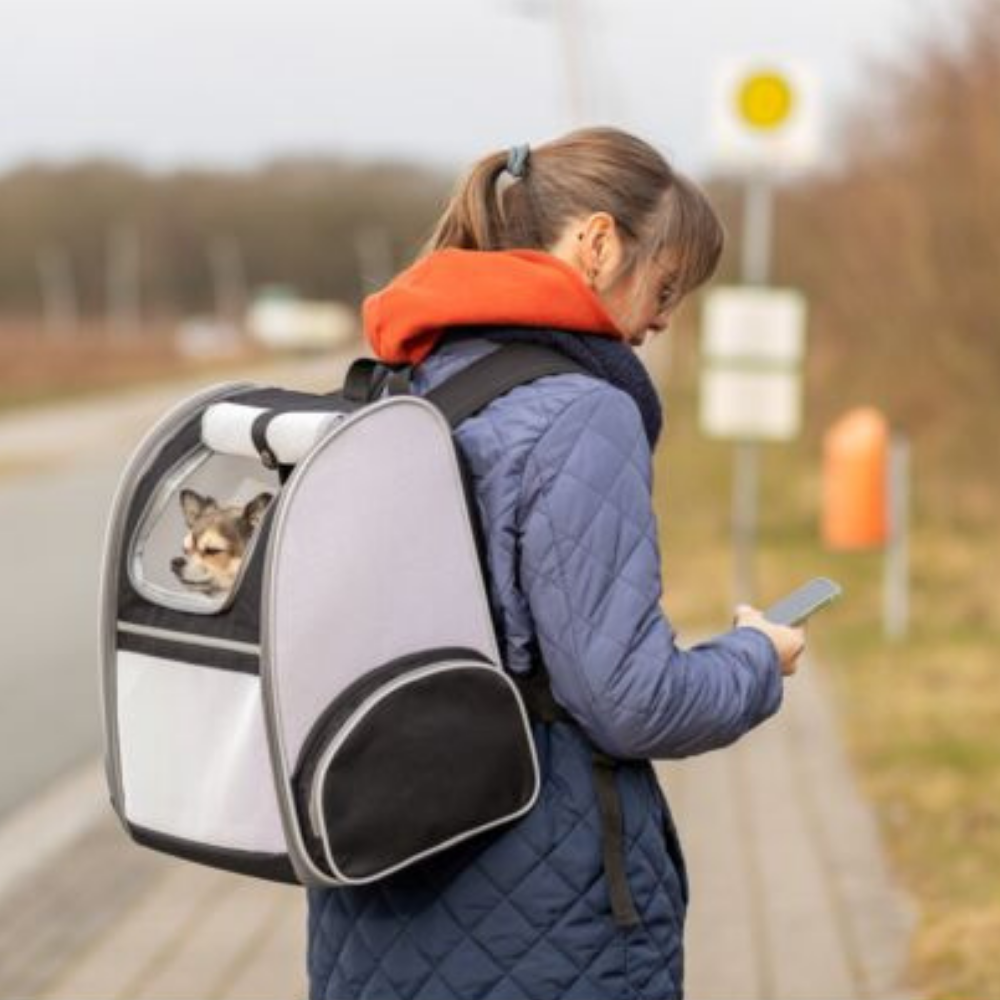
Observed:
{"x":216,"y":541}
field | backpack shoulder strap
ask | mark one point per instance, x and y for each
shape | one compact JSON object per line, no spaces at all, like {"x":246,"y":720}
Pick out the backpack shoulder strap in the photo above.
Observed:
{"x":490,"y":377}
{"x":460,"y":397}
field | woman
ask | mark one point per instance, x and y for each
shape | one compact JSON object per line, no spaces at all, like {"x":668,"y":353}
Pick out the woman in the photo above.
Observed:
{"x":586,"y":244}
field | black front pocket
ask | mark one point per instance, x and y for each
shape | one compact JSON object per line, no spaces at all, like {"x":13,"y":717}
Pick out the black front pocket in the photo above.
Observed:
{"x":421,"y":754}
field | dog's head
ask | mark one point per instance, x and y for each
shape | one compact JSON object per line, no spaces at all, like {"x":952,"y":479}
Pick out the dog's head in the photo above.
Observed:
{"x":216,"y":541}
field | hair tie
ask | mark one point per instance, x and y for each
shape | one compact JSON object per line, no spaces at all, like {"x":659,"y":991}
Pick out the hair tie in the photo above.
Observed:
{"x":517,"y":160}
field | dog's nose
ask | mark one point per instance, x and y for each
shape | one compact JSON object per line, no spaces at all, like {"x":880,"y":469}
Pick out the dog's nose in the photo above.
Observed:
{"x":177,"y":564}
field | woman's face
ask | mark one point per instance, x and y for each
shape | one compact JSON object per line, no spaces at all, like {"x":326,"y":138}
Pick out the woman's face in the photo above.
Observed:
{"x":641,"y":301}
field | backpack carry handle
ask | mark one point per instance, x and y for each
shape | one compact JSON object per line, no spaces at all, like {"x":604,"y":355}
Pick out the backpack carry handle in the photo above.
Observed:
{"x":367,"y":378}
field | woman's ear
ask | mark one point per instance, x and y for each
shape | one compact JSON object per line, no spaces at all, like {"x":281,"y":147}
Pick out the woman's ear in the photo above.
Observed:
{"x":599,"y":248}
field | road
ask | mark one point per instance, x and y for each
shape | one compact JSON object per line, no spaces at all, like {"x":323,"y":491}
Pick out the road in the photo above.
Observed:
{"x":59,"y":468}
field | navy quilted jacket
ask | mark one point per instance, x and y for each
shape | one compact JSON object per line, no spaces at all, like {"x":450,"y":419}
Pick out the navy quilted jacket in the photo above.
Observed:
{"x":562,"y":473}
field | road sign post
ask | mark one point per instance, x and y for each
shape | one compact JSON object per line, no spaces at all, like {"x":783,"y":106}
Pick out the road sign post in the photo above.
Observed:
{"x":764,"y":121}
{"x":753,"y":343}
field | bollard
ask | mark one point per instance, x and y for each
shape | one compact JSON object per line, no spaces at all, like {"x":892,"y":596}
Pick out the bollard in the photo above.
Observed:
{"x":855,"y":457}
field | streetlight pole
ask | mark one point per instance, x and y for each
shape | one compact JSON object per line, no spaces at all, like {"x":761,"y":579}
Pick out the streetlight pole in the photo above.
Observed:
{"x":570,"y":26}
{"x":568,"y":19}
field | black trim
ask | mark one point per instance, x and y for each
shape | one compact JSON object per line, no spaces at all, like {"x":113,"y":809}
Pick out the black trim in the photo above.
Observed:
{"x":273,"y":867}
{"x":258,"y":434}
{"x":188,"y":653}
{"x":283,"y":400}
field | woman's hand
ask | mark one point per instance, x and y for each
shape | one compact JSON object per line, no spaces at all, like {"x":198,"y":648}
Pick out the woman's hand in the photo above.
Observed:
{"x":789,"y":642}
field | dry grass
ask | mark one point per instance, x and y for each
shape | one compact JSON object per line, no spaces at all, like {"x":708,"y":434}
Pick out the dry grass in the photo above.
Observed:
{"x":34,"y":367}
{"x":922,"y":716}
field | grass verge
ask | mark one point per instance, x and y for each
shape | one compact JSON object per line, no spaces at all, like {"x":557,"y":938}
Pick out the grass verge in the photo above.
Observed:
{"x":921,"y":717}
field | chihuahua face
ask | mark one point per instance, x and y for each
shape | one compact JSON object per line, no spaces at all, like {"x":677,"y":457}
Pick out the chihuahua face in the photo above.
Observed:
{"x":216,"y":541}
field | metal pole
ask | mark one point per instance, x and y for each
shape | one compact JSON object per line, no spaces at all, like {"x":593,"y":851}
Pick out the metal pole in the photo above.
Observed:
{"x":569,"y":23}
{"x":374,"y":256}
{"x":745,"y":521}
{"x":758,"y":215}
{"x":567,"y":18}
{"x":225,"y":261}
{"x":897,"y":557}
{"x":123,"y":279}
{"x":758,"y":228}
{"x":58,"y":285}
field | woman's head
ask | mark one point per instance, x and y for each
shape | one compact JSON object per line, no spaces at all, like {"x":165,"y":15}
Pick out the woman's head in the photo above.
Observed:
{"x":607,"y":203}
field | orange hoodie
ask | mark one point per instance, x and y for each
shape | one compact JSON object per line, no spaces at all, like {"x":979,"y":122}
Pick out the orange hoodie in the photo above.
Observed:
{"x":477,"y":288}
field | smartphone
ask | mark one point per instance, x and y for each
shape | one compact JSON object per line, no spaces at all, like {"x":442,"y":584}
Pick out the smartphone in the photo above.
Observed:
{"x":796,"y":607}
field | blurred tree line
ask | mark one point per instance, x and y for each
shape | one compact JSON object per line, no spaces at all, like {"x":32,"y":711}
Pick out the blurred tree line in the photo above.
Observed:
{"x":319,"y":225}
{"x":896,"y":240}
{"x":898,"y":244}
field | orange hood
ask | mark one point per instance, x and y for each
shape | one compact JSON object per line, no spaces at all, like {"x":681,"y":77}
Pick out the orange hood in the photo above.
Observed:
{"x":477,"y":288}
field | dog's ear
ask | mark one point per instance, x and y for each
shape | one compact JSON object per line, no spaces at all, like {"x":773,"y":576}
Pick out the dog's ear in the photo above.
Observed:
{"x":254,"y":510}
{"x":194,"y":505}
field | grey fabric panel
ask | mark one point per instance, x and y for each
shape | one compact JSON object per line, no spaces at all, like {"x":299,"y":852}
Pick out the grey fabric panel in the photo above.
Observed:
{"x":373,"y":557}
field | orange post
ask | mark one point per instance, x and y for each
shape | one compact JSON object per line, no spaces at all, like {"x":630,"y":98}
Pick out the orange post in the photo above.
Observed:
{"x":855,"y":464}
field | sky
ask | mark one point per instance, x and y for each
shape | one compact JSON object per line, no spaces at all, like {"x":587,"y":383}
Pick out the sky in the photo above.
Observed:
{"x":234,"y":82}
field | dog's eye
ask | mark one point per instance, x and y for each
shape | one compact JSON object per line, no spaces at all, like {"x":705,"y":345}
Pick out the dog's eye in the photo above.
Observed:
{"x":210,"y":551}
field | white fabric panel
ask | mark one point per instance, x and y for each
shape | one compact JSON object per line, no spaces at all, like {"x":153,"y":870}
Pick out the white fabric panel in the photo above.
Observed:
{"x":226,"y":428}
{"x":374,"y":559}
{"x":194,"y":755}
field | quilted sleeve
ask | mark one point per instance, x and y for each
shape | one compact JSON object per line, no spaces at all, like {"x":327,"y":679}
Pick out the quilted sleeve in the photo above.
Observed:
{"x":590,"y":570}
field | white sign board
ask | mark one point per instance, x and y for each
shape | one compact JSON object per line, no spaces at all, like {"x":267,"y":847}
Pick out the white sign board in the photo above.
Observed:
{"x":750,"y":406}
{"x":759,"y":325}
{"x":753,"y":344}
{"x":765,"y":115}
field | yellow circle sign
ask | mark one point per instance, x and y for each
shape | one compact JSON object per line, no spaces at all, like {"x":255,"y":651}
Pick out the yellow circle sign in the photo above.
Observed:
{"x":765,"y":100}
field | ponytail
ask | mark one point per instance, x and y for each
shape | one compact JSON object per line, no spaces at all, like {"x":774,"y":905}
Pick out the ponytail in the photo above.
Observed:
{"x":586,"y":171}
{"x":472,"y":220}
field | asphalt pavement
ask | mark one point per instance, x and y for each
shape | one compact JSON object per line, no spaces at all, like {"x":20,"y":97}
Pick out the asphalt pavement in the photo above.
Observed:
{"x":59,"y":468}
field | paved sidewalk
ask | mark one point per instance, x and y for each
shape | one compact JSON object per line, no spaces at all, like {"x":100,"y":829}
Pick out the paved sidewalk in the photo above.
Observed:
{"x":791,"y":898}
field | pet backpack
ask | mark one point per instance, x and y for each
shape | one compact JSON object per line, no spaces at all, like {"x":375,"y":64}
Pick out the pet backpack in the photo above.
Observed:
{"x":340,"y":712}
